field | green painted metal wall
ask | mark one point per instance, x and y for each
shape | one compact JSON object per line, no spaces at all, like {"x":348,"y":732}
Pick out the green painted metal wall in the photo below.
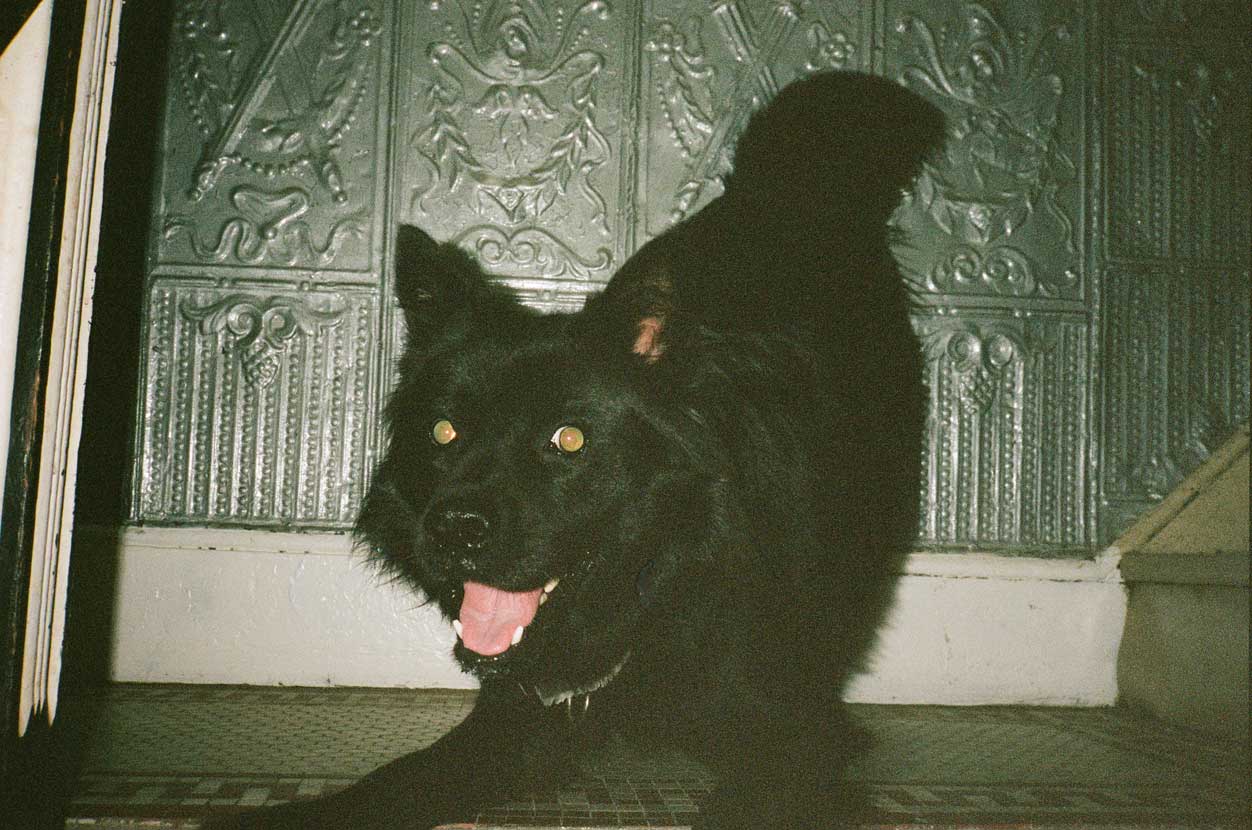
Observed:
{"x":1080,"y":251}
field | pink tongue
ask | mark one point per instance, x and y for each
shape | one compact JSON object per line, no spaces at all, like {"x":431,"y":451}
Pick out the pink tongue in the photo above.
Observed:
{"x":489,"y":616}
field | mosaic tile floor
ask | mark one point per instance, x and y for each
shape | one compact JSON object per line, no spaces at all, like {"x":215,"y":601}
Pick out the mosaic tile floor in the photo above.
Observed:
{"x":161,"y":755}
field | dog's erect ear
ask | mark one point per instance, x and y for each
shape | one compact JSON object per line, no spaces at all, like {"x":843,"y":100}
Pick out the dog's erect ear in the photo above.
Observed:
{"x":433,"y":280}
{"x":638,"y":307}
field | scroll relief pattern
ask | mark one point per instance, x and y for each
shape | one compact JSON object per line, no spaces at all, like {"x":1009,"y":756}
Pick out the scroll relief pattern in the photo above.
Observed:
{"x":1003,"y":166}
{"x":274,"y":96}
{"x":260,"y":329}
{"x":510,"y":136}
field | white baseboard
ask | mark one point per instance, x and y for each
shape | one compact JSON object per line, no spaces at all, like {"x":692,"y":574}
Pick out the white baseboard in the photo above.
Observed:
{"x":978,"y":629}
{"x":229,"y":606}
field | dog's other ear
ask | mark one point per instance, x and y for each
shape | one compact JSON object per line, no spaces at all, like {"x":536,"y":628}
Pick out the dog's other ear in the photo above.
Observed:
{"x":638,"y":307}
{"x":433,"y":280}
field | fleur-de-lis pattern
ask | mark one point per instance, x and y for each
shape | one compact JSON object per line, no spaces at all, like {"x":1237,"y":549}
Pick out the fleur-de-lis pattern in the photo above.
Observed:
{"x":1079,"y":249}
{"x":1004,"y":188}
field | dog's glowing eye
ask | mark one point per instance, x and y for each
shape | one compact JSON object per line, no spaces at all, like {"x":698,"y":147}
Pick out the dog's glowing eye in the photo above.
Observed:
{"x":443,"y":432}
{"x":568,"y":439}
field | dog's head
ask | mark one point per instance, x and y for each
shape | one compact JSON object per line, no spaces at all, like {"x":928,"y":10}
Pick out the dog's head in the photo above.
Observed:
{"x":564,"y":485}
{"x":534,"y":480}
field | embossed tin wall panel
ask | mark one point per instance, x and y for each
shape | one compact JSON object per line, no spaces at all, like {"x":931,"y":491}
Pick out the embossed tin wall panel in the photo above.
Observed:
{"x":260,"y":391}
{"x":1080,"y":248}
{"x":1178,"y":153}
{"x":1007,"y":433}
{"x":257,"y":404}
{"x":998,"y":214}
{"x":1175,"y":373}
{"x":512,"y":138}
{"x":1175,"y":274}
{"x":270,"y":154}
{"x":993,"y":241}
{"x":706,"y":68}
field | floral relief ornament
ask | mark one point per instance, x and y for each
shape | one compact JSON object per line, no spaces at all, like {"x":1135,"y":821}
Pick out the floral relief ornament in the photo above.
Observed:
{"x":512,"y":111}
{"x":1002,"y":159}
{"x":978,"y":360}
{"x":684,"y":87}
{"x":828,"y":49}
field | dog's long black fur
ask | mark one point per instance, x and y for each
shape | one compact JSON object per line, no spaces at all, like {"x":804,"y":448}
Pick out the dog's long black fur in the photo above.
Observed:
{"x":717,"y":459}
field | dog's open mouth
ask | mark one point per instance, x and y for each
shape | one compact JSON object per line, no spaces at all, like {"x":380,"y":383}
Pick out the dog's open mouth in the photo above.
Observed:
{"x":492,"y":620}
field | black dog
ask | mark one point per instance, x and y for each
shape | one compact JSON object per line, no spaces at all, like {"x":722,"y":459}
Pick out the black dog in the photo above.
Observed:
{"x":679,"y":510}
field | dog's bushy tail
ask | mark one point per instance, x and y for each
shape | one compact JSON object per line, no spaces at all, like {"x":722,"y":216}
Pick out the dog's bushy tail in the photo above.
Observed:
{"x":833,"y":148}
{"x":800,"y":236}
{"x":798,"y":243}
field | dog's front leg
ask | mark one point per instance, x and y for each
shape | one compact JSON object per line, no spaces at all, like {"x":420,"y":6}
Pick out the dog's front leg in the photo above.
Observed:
{"x":781,"y":764}
{"x":508,"y":742}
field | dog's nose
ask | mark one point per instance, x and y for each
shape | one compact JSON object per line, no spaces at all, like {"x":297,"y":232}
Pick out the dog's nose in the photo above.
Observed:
{"x":458,"y":525}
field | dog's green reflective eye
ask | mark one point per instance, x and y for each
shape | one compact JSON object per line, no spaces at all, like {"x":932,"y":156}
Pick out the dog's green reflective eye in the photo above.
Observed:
{"x":443,"y":432}
{"x":568,"y":439}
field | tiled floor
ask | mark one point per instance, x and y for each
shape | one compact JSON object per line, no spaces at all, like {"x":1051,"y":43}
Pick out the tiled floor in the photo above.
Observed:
{"x":160,"y":755}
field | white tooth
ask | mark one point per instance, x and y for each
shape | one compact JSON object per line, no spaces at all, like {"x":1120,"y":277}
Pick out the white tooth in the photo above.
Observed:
{"x":456,"y":626}
{"x":543,"y":598}
{"x":550,"y":586}
{"x":517,"y":635}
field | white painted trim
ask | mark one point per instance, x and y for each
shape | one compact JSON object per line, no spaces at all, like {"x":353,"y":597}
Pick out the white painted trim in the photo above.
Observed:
{"x":67,"y":363}
{"x":233,"y":539}
{"x":203,"y":605}
{"x":971,"y":565}
{"x":1012,"y":568}
{"x":21,"y":89}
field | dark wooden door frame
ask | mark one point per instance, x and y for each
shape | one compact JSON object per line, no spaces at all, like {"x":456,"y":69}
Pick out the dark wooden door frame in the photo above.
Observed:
{"x":31,"y":371}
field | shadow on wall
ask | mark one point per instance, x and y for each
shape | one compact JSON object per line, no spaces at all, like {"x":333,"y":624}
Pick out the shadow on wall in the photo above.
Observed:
{"x":113,"y":360}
